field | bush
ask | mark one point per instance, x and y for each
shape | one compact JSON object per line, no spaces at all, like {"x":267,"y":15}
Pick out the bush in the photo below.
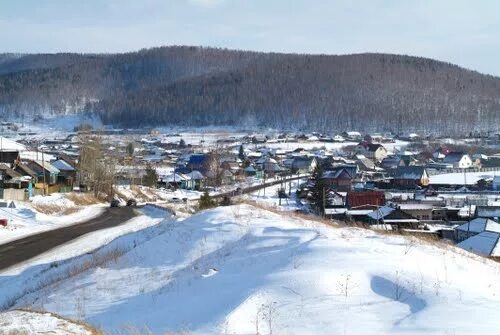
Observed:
{"x":206,"y":202}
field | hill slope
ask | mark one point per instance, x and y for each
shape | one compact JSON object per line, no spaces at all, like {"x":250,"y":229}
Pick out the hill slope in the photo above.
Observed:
{"x":244,"y":270}
{"x":205,"y":86}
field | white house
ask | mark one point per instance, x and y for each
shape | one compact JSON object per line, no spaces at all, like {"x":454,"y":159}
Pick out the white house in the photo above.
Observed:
{"x":459,"y":160}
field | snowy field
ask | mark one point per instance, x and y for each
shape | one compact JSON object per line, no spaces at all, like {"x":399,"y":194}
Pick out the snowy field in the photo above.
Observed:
{"x":459,"y":178}
{"x":244,"y":270}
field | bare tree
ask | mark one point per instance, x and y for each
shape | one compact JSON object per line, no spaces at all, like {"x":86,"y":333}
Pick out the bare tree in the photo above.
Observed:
{"x":97,"y":170}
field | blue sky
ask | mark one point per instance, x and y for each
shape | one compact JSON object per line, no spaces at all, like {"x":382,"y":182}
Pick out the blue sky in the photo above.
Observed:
{"x":463,"y":32}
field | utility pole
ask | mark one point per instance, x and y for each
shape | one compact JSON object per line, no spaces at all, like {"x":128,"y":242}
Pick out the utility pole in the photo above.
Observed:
{"x":264,"y":172}
{"x":324,"y":201}
{"x":44,"y":175}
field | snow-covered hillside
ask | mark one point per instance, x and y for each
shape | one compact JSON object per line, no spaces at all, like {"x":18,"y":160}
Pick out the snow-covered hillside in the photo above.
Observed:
{"x":245,"y":270}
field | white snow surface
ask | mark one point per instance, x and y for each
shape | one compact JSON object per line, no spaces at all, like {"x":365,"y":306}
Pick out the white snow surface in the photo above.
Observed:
{"x":245,"y":270}
{"x":460,"y":178}
{"x":26,"y":322}
{"x":24,"y":220}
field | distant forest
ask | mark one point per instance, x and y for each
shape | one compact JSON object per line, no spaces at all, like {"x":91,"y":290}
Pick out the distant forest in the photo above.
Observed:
{"x":206,"y":86}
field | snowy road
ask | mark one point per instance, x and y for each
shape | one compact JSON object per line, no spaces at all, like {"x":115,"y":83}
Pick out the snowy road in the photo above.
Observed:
{"x":26,"y":248}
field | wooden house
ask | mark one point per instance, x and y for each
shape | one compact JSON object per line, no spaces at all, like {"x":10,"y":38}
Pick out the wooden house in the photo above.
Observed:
{"x":339,"y":179}
{"x":46,"y":175}
{"x":410,"y":177}
{"x":373,"y":151}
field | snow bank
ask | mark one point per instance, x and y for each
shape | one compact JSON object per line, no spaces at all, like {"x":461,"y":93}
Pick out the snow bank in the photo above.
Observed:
{"x":26,"y":322}
{"x":244,"y":270}
{"x":25,"y":220}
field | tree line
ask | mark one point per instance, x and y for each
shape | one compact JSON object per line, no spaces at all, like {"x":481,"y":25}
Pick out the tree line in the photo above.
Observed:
{"x":207,"y":86}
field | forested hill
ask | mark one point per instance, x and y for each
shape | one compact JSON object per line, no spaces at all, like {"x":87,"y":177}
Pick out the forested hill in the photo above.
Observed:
{"x":206,"y":86}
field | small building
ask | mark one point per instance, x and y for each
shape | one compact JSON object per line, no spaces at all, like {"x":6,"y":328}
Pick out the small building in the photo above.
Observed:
{"x":393,"y":217}
{"x":13,"y":185}
{"x":46,"y":175}
{"x":365,"y":164}
{"x":373,"y":151}
{"x":250,"y":171}
{"x":417,"y":210}
{"x":458,"y":160}
{"x":303,"y":165}
{"x":334,"y":200}
{"x":392,"y":162}
{"x":489,"y":212}
{"x":352,"y":135}
{"x":365,"y":199}
{"x":338,"y":179}
{"x":410,"y":177}
{"x":194,"y":181}
{"x":67,"y":175}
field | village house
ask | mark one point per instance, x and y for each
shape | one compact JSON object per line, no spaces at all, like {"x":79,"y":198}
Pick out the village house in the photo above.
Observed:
{"x":46,"y":175}
{"x":302,"y":164}
{"x":410,"y":177}
{"x":13,"y":185}
{"x":352,"y":135}
{"x":417,"y":210}
{"x":334,"y":200}
{"x":376,"y":152}
{"x":393,"y":217}
{"x":194,"y":180}
{"x":365,"y":199}
{"x":339,"y":179}
{"x":458,"y":160}
{"x":67,"y":175}
{"x":365,"y":164}
{"x":392,"y":162}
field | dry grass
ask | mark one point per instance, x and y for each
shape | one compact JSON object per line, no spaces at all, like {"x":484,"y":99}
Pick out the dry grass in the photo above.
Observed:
{"x":82,"y":199}
{"x":138,"y":193}
{"x":430,"y":240}
{"x":79,"y":199}
{"x":50,"y":209}
{"x":144,"y":194}
{"x":96,"y":260}
{"x":86,"y":326}
{"x":296,"y":215}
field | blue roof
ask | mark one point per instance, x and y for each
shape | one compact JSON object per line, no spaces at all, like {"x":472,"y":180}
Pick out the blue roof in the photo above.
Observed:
{"x":62,"y":165}
{"x":197,"y":159}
